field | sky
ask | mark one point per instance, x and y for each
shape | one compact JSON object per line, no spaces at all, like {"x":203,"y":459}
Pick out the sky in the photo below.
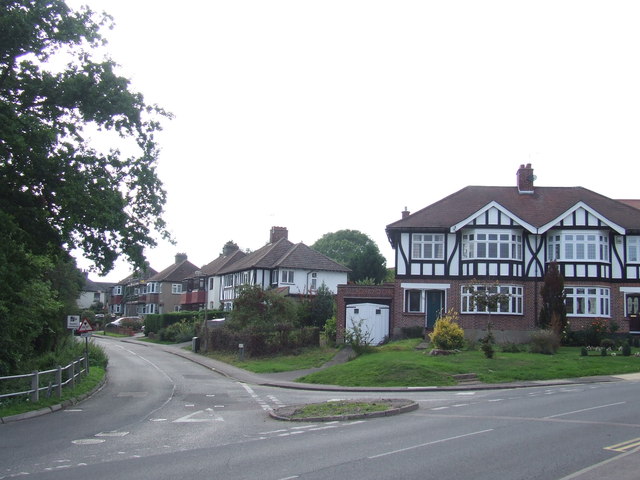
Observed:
{"x":326,"y":115}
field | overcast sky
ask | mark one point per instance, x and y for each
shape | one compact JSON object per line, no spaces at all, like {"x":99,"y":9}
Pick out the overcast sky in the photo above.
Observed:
{"x":328,"y":115}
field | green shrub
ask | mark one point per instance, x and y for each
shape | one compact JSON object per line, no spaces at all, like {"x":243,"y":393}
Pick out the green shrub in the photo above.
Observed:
{"x":626,"y":350}
{"x":584,"y":352}
{"x":180,"y":332}
{"x":358,"y":337}
{"x":486,"y":342}
{"x":330,"y":329}
{"x":607,"y":343}
{"x":447,"y":334}
{"x":510,"y":347}
{"x":545,"y":342}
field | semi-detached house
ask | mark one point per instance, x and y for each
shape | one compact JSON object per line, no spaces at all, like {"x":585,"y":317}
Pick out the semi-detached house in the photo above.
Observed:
{"x":293,"y":268}
{"x":503,"y":239}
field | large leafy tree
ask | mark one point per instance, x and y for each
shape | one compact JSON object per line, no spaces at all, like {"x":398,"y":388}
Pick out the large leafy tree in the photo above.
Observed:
{"x":355,"y":250}
{"x":61,"y":190}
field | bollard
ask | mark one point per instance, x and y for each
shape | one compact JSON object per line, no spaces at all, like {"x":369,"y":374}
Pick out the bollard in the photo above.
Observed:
{"x":241,"y":351}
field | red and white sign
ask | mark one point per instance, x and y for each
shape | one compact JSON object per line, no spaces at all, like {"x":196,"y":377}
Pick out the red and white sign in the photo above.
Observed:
{"x":85,"y":327}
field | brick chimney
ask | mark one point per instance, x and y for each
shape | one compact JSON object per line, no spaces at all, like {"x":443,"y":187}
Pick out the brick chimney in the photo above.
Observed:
{"x":525,"y":178}
{"x":180,"y":257}
{"x":405,"y":213}
{"x":277,"y":233}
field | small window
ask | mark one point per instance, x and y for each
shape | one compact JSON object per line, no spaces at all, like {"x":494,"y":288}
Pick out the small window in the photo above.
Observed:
{"x":413,"y":301}
{"x":356,"y":310}
{"x":287,"y":276}
{"x":176,"y":288}
{"x":378,"y":311}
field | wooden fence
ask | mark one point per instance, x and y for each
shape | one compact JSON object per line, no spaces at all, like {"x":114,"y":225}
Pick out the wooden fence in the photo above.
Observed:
{"x":47,"y":382}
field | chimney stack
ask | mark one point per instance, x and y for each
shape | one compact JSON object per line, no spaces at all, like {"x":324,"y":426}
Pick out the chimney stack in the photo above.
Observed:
{"x":525,"y":178}
{"x":277,"y":233}
{"x":405,"y":213}
{"x":180,"y":257}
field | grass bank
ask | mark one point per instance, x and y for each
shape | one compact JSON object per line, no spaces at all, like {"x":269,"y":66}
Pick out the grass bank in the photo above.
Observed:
{"x":400,"y":364}
{"x":15,"y":406}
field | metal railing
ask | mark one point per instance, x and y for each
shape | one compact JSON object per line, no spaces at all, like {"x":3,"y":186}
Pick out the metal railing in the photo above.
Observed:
{"x":48,"y":381}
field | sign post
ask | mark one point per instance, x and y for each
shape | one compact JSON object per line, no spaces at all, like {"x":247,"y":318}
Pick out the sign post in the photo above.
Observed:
{"x":85,"y":331}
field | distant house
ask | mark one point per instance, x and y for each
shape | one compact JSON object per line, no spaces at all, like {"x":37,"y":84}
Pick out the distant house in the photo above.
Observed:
{"x":203,"y":289}
{"x":294,"y":268}
{"x":125,"y":295}
{"x":501,"y":240}
{"x":94,"y":293}
{"x":163,"y":292}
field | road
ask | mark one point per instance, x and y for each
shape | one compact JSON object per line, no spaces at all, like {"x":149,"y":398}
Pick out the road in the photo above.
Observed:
{"x":163,"y":417}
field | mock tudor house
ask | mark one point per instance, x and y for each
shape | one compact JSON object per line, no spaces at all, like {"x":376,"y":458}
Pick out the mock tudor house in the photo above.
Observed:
{"x":204,"y":287}
{"x":502,"y":239}
{"x":294,"y":268}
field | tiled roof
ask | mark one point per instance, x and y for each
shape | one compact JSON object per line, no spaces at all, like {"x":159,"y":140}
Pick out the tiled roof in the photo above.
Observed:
{"x":214,"y":267}
{"x":284,"y":253}
{"x":138,"y":276}
{"x":175,"y":273}
{"x":537,"y":209}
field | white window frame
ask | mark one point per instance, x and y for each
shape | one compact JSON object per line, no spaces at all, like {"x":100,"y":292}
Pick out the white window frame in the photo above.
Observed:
{"x":427,"y":246}
{"x":588,"y":301}
{"x":578,"y":246}
{"x":513,"y":305}
{"x":633,"y":249}
{"x":484,"y":244}
{"x":314,"y":281}
{"x":117,"y":290}
{"x":176,"y":288}
{"x":152,"y":287}
{"x":410,"y":296}
{"x":287,"y":276}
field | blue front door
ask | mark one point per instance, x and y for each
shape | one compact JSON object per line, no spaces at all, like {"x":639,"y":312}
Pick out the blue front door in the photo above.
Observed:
{"x":435,"y":304}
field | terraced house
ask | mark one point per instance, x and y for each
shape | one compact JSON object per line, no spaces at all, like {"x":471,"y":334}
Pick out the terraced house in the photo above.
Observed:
{"x":502,"y":239}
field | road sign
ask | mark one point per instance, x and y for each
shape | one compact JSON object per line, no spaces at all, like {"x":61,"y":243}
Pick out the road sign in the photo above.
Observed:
{"x":73,"y":322}
{"x":85,"y":327}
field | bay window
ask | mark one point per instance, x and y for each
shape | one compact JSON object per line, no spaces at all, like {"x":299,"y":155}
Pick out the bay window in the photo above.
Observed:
{"x":587,"y":301}
{"x":585,"y":246}
{"x":505,"y":299}
{"x":633,"y":249}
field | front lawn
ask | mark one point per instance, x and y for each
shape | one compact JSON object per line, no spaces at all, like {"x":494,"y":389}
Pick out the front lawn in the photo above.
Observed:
{"x":400,"y":364}
{"x":412,"y":368}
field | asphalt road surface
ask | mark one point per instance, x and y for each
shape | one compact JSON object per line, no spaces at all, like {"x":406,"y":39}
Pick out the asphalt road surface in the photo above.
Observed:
{"x":161,"y":416}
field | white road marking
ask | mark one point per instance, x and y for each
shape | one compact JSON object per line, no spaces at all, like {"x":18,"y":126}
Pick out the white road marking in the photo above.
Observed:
{"x":585,"y":409}
{"x":434,"y":442}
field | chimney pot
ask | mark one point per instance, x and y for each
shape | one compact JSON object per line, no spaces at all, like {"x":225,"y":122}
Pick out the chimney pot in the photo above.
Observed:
{"x":277,"y":233}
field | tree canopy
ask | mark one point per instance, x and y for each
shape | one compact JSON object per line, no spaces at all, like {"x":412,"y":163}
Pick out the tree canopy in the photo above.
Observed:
{"x":59,"y":187}
{"x":61,"y":101}
{"x":355,"y":250}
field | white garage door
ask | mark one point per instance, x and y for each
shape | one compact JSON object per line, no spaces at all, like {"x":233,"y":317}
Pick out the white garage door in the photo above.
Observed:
{"x":374,"y":318}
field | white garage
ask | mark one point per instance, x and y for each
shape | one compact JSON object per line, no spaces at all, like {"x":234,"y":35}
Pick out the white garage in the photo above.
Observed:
{"x":374,"y":318}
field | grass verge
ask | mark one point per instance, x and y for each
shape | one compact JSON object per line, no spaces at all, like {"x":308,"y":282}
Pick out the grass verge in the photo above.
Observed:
{"x":305,"y":358}
{"x":15,"y":406}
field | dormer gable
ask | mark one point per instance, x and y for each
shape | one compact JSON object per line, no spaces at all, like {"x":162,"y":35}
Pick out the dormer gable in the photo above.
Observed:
{"x":493,"y":214}
{"x":581,"y":215}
